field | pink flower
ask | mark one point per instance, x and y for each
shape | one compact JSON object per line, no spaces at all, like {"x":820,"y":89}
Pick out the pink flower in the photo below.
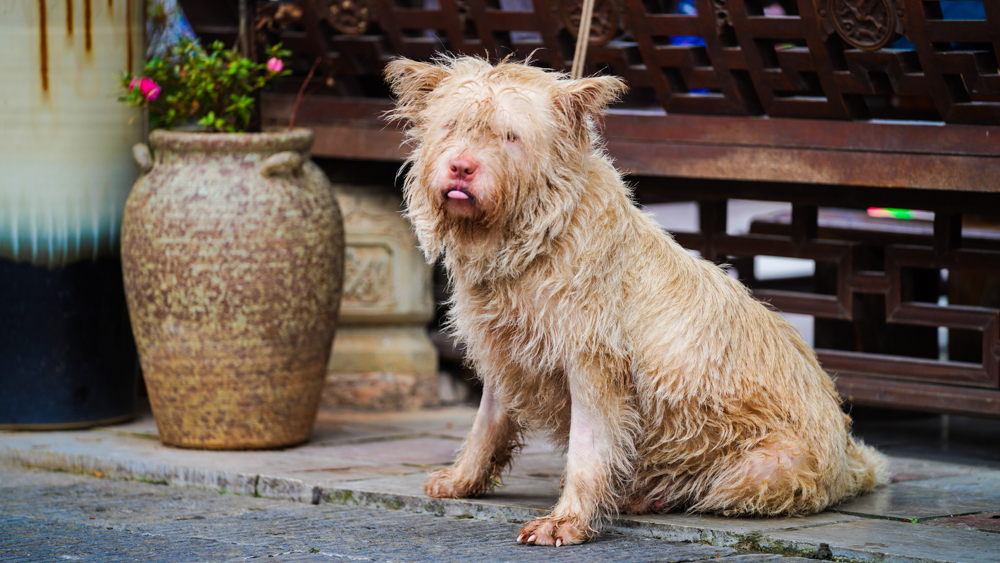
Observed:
{"x":134,"y":83}
{"x":275,"y":64}
{"x":150,"y":89}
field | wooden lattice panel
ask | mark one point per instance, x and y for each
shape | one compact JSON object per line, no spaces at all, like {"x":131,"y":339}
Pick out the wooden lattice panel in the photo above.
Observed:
{"x":898,"y":290}
{"x":826,"y":59}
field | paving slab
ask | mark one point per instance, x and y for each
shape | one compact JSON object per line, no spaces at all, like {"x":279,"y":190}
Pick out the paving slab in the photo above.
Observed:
{"x":381,"y":460}
{"x":914,"y":469}
{"x":931,"y":498}
{"x":516,"y":501}
{"x":454,"y":422}
{"x":987,"y":522}
{"x":419,"y":451}
{"x":546,"y":465}
{"x":721,"y":530}
{"x":903,"y":542}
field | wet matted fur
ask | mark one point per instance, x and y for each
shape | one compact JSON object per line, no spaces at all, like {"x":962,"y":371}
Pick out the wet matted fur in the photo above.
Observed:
{"x":667,"y":383}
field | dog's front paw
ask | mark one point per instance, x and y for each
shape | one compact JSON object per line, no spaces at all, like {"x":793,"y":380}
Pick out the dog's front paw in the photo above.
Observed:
{"x":556,"y":531}
{"x":445,"y":483}
{"x":441,"y":484}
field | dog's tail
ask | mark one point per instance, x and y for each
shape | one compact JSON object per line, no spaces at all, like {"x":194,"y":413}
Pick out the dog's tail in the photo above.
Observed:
{"x":867,"y":468}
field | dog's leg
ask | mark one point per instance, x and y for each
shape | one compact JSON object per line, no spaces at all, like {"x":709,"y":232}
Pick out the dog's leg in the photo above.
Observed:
{"x":486,"y":453}
{"x":599,"y":425}
{"x":776,"y":478}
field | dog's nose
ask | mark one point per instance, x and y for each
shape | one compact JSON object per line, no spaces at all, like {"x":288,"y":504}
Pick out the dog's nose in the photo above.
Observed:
{"x":462,"y":167}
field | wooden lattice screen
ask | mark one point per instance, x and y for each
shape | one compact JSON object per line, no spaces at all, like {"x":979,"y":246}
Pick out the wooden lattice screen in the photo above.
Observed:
{"x":825,"y":59}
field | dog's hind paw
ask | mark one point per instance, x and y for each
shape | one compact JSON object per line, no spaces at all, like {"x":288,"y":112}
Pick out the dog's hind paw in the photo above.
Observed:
{"x":555,"y":531}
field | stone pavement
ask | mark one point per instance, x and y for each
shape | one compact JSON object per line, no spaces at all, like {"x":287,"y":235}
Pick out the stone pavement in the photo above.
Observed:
{"x":48,"y":516}
{"x":935,"y":510}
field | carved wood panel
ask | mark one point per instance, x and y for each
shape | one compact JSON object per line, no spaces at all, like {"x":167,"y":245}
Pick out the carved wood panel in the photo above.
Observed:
{"x":883,"y":289}
{"x":825,"y":59}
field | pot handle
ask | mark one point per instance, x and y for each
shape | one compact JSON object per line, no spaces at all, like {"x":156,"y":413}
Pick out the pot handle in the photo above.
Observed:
{"x":140,"y":152}
{"x":287,"y":162}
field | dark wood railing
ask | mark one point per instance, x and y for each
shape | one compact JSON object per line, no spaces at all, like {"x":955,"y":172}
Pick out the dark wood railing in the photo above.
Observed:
{"x":831,"y":105}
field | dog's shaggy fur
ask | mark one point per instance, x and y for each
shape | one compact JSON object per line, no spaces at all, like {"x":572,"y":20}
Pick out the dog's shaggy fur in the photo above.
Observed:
{"x":667,"y":383}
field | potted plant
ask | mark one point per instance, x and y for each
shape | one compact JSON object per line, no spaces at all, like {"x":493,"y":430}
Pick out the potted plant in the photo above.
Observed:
{"x":232,"y":252}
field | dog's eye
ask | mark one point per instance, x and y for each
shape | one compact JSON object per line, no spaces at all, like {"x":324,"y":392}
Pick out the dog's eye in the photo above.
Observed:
{"x":511,"y":136}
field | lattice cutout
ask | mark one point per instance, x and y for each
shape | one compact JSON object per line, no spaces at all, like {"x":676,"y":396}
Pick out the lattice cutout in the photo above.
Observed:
{"x":687,"y":78}
{"x":888,"y":292}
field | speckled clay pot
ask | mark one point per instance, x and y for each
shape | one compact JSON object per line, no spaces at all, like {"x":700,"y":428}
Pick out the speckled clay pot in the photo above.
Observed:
{"x":232,"y":251}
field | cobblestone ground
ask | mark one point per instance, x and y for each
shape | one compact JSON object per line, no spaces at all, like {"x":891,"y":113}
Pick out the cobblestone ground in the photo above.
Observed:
{"x":62,"y":517}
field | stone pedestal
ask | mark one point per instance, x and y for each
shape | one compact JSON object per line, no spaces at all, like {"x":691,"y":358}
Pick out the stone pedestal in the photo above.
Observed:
{"x":382,"y":357}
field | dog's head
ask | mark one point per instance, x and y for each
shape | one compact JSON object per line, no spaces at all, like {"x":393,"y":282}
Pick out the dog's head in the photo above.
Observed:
{"x":500,"y":153}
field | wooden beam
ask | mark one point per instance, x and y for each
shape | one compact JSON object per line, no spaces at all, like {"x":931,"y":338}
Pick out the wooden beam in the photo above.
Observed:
{"x":867,"y":154}
{"x":919,"y":396}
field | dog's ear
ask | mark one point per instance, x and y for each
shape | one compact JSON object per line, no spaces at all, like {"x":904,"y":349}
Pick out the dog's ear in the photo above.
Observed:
{"x":411,"y":82}
{"x":592,"y":95}
{"x":585,"y":99}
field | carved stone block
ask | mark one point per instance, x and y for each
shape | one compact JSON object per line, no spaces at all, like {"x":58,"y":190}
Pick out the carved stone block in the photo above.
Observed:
{"x":382,"y":357}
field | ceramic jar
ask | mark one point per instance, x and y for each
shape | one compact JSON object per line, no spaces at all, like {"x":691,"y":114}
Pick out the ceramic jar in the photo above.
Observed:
{"x":232,"y":252}
{"x":66,"y":353}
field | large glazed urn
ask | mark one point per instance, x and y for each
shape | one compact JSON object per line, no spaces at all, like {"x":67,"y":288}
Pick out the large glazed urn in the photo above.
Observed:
{"x":66,"y":354}
{"x":232,"y":251}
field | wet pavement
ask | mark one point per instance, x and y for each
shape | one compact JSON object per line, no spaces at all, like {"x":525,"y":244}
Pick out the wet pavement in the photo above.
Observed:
{"x":944,"y":503}
{"x":48,"y":516}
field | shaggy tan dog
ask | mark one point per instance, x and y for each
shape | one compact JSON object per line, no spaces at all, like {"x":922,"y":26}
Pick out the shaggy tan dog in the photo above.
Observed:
{"x":669,"y":386}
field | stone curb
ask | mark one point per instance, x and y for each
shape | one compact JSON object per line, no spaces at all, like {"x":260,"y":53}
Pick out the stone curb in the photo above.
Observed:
{"x":284,"y":488}
{"x":259,"y":485}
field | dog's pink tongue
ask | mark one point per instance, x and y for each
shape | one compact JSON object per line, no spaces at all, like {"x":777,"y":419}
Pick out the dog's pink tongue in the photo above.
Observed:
{"x":458,"y":194}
